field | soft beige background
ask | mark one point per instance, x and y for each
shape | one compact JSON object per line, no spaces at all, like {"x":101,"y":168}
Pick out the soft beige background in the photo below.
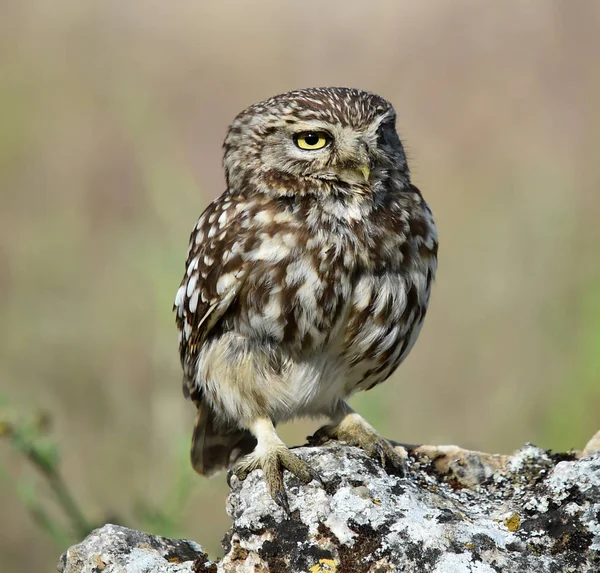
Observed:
{"x":112,"y":116}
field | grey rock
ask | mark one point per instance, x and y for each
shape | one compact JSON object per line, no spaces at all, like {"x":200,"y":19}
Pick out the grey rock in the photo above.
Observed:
{"x":115,"y":549}
{"x":456,"y":511}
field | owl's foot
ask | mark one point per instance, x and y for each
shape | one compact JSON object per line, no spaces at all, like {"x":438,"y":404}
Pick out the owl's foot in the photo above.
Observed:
{"x":272,"y":456}
{"x":355,"y":431}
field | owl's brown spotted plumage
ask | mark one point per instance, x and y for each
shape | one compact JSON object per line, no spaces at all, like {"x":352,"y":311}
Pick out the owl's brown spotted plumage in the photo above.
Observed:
{"x":306,"y":280}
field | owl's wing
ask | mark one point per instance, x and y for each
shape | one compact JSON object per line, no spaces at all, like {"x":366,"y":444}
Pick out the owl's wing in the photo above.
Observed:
{"x":215,"y":272}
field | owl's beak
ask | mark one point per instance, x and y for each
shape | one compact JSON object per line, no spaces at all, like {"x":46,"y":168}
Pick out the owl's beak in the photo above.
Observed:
{"x":365,"y":170}
{"x":365,"y":162}
{"x":356,"y":165}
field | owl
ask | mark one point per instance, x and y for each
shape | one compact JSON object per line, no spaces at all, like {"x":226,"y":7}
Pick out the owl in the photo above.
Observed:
{"x":307,"y":280}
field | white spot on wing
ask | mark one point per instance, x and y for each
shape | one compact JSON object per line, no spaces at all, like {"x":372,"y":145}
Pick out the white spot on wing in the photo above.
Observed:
{"x":179,"y":299}
{"x":283,"y":217}
{"x":222,"y":219}
{"x":193,"y":304}
{"x":289,"y":240}
{"x":225,"y":282}
{"x":192,"y":266}
{"x":363,"y":293}
{"x":265,"y":216}
{"x":270,"y":249}
{"x":191,"y":285}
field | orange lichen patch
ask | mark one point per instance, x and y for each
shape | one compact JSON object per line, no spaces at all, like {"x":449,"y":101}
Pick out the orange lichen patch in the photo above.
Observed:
{"x":513,"y":522}
{"x":325,"y":566}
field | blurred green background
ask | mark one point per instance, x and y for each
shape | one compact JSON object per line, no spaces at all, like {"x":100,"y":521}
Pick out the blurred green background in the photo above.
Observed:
{"x":112,"y":116}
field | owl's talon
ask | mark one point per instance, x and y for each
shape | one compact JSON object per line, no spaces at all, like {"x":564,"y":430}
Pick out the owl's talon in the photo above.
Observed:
{"x":281,"y":500}
{"x":316,"y":477}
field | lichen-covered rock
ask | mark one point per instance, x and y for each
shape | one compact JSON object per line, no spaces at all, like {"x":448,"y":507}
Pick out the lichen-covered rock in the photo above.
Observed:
{"x":115,"y":549}
{"x":456,"y":511}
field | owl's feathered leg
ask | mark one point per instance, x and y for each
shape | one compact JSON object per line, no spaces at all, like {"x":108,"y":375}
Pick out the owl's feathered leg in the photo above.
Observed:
{"x":273,"y":456}
{"x":350,"y":427}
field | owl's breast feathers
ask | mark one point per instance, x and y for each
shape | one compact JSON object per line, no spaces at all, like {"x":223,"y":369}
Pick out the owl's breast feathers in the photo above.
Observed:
{"x":302,"y":275}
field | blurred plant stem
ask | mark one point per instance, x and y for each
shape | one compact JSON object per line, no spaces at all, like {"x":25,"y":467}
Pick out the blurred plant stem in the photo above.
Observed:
{"x":28,"y":438}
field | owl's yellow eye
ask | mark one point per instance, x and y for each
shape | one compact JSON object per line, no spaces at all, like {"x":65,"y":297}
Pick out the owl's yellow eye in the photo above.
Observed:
{"x":311,"y":140}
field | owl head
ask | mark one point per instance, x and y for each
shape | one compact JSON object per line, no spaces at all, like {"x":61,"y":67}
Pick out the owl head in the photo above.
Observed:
{"x":314,"y":141}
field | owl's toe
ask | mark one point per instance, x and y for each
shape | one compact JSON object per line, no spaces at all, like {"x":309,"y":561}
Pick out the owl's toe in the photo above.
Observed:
{"x":298,"y":467}
{"x":355,"y":431}
{"x":380,"y":449}
{"x":244,"y":467}
{"x":273,"y":463}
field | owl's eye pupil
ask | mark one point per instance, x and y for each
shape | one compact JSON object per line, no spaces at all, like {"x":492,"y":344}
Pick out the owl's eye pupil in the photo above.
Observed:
{"x":311,"y":138}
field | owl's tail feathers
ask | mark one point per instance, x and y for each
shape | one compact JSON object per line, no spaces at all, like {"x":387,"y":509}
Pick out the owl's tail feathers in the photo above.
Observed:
{"x":215,"y":448}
